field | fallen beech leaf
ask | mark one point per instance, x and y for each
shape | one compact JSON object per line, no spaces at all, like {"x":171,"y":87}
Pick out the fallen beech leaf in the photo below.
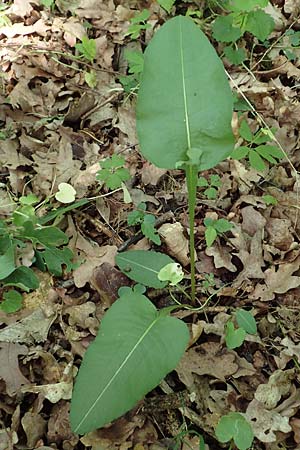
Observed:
{"x":278,"y":385}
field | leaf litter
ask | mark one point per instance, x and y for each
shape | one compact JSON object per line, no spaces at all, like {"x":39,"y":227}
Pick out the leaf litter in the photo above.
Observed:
{"x":57,"y":129}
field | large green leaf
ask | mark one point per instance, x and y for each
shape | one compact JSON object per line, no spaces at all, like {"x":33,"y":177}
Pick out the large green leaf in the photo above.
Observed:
{"x":184,"y":100}
{"x":143,"y":266}
{"x":135,"y":348}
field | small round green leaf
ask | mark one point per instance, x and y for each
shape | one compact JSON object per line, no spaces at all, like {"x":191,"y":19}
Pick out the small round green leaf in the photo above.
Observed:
{"x":234,"y":337}
{"x":172,"y":273}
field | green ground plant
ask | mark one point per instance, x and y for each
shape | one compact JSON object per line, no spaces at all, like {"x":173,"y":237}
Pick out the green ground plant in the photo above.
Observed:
{"x":181,"y":123}
{"x":257,"y":148}
{"x":112,"y":172}
{"x":235,"y":336}
{"x":146,"y":221}
{"x":241,"y":16}
{"x":24,"y":234}
{"x":234,"y":428}
{"x":211,"y":186}
{"x":215,"y":228}
{"x":138,"y":23}
{"x":135,"y":61}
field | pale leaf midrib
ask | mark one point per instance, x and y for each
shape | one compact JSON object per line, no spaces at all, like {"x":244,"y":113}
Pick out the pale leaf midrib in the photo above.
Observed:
{"x":187,"y":124}
{"x":116,"y":373}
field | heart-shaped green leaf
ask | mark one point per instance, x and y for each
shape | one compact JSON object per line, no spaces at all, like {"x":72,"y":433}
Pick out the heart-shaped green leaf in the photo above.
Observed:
{"x":234,"y":337}
{"x":143,"y":266}
{"x":235,"y":426}
{"x":184,"y":100}
{"x":135,"y":348}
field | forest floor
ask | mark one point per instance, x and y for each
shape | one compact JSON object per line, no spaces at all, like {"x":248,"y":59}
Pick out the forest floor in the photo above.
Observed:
{"x":55,"y":128}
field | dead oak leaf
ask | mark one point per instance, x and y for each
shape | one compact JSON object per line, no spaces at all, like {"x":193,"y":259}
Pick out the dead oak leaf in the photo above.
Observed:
{"x":277,"y":281}
{"x":9,"y":366}
{"x":206,"y":359}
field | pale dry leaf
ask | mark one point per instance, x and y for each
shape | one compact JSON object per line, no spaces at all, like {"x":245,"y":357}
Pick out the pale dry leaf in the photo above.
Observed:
{"x":21,"y":8}
{"x":206,"y":359}
{"x":279,"y":233}
{"x":290,"y":351}
{"x":252,"y":220}
{"x":53,"y":392}
{"x":277,"y":281}
{"x":265,"y":423}
{"x":178,"y":245}
{"x":9,"y":366}
{"x":33,"y":328}
{"x":278,"y":385}
{"x":39,"y":27}
{"x":80,"y":315}
{"x":95,"y":256}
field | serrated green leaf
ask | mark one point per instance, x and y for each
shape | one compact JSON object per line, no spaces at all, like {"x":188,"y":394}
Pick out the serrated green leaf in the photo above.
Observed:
{"x":235,"y":55}
{"x":240,"y":152}
{"x":224,"y":30}
{"x":149,"y":230}
{"x":47,"y":236}
{"x":256,"y":161}
{"x":234,"y":337}
{"x":166,"y":4}
{"x":135,"y":348}
{"x":260,"y":24}
{"x":135,"y":61}
{"x":193,"y":116}
{"x":143,"y":266}
{"x":87,"y":48}
{"x":211,"y":193}
{"x":141,"y":17}
{"x":245,"y":131}
{"x":210,"y":235}
{"x":246,"y":321}
{"x":202,"y":182}
{"x":12,"y":302}
{"x":91,"y":78}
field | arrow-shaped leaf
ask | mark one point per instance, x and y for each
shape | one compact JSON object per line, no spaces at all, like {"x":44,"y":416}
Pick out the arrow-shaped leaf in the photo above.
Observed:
{"x":135,"y":348}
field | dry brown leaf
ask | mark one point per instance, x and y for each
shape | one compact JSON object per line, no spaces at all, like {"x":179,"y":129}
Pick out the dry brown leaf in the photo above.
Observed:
{"x":107,"y":280}
{"x":221,"y":255}
{"x":9,"y":366}
{"x":206,"y":359}
{"x":279,"y":233}
{"x":34,"y":426}
{"x":252,"y":220}
{"x":152,"y":174}
{"x":277,"y":281}
{"x":278,"y":385}
{"x":178,"y":245}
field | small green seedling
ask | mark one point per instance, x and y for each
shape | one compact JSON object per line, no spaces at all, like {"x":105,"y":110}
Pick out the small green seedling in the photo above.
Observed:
{"x":215,"y":228}
{"x":112,"y":172}
{"x":48,"y":243}
{"x":87,"y":48}
{"x":291,"y":41}
{"x":235,"y":337}
{"x":243,"y":15}
{"x":12,"y":302}
{"x":48,"y":3}
{"x":138,"y":24}
{"x":269,"y":200}
{"x":234,"y":427}
{"x":166,"y":4}
{"x":211,"y":185}
{"x":257,"y":150}
{"x":137,"y":345}
{"x":131,"y":81}
{"x":146,"y":221}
